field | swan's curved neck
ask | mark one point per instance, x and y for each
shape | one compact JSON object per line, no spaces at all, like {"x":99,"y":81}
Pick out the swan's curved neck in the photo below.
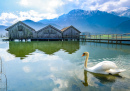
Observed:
{"x":86,"y":60}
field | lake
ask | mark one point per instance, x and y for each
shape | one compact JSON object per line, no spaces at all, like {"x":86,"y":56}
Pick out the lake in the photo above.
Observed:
{"x":58,"y":66}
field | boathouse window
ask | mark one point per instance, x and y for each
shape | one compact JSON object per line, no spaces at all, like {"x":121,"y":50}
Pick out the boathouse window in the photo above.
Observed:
{"x":20,"y":28}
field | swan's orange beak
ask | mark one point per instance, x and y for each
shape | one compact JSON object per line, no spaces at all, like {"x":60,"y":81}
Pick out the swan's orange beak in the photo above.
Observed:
{"x":83,"y":54}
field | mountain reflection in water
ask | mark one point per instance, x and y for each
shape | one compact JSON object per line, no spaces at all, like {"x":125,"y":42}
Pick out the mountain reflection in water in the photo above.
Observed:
{"x":21,"y":49}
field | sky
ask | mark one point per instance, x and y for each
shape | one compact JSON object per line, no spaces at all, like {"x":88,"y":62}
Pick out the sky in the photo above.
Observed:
{"x":12,"y":11}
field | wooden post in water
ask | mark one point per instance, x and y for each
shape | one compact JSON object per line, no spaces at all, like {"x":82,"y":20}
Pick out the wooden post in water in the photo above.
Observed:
{"x":86,"y":37}
{"x":121,"y":38}
{"x":82,"y":38}
{"x":112,"y":38}
{"x":108,"y":38}
{"x":96,"y":37}
{"x":100,"y":39}
{"x":116,"y":38}
{"x":1,"y":64}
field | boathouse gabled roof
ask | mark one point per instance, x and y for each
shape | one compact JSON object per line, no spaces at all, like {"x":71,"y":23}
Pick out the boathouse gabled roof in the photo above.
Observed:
{"x":17,"y":23}
{"x":51,"y":27}
{"x":64,"y":29}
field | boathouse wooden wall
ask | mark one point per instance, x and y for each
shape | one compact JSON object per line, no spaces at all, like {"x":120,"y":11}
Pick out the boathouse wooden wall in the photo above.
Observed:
{"x":49,"y":32}
{"x":21,"y":31}
{"x":70,"y":32}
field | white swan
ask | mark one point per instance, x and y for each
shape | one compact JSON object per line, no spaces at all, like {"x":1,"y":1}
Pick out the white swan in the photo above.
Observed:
{"x":105,"y":67}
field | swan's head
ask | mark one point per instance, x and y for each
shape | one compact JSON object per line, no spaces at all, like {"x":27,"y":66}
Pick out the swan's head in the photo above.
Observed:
{"x":85,"y":54}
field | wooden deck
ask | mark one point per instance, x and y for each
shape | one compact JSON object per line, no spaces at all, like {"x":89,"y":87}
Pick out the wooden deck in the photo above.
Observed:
{"x":109,"y":38}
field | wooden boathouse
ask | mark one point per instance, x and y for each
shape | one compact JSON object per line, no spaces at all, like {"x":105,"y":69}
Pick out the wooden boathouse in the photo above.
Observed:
{"x":22,"y":31}
{"x":70,"y":33}
{"x":49,"y":33}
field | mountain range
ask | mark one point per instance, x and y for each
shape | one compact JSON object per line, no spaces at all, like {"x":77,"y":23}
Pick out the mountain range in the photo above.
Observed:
{"x":125,"y":13}
{"x":91,"y":21}
{"x":95,"y":22}
{"x":38,"y":25}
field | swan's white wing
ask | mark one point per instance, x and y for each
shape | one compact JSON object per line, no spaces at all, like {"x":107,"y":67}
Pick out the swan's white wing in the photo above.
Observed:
{"x":103,"y":66}
{"x":107,"y":65}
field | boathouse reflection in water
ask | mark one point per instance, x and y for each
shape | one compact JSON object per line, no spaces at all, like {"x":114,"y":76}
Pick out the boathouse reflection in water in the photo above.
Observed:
{"x":22,"y":49}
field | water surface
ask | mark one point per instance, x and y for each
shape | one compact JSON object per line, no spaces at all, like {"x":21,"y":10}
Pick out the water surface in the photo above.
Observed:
{"x":58,"y":66}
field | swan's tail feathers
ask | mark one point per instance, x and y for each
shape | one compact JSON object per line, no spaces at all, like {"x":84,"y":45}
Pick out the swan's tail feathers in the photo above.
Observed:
{"x":122,"y":70}
{"x":115,"y":71}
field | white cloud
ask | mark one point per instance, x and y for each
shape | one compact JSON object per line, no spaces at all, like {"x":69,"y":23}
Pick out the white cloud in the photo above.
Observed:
{"x":113,"y":5}
{"x":5,"y":56}
{"x":24,"y":2}
{"x":49,"y":9}
{"x":11,"y":18}
{"x":41,"y":57}
{"x":119,"y":9}
{"x":26,"y":69}
{"x":48,"y":6}
{"x":7,"y":17}
{"x":33,"y":15}
{"x":71,"y":0}
{"x":108,"y":5}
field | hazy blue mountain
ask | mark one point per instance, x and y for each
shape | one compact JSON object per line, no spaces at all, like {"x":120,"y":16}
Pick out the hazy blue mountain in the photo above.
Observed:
{"x":125,"y":26}
{"x":90,"y":21}
{"x":2,"y":29}
{"x":38,"y":25}
{"x":125,"y":13}
{"x":34,"y":25}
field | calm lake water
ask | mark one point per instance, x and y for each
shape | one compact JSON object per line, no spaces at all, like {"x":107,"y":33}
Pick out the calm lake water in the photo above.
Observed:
{"x":58,"y":66}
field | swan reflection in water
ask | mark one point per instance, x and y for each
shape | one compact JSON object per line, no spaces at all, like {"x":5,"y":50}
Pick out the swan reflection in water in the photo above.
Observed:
{"x":103,"y":79}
